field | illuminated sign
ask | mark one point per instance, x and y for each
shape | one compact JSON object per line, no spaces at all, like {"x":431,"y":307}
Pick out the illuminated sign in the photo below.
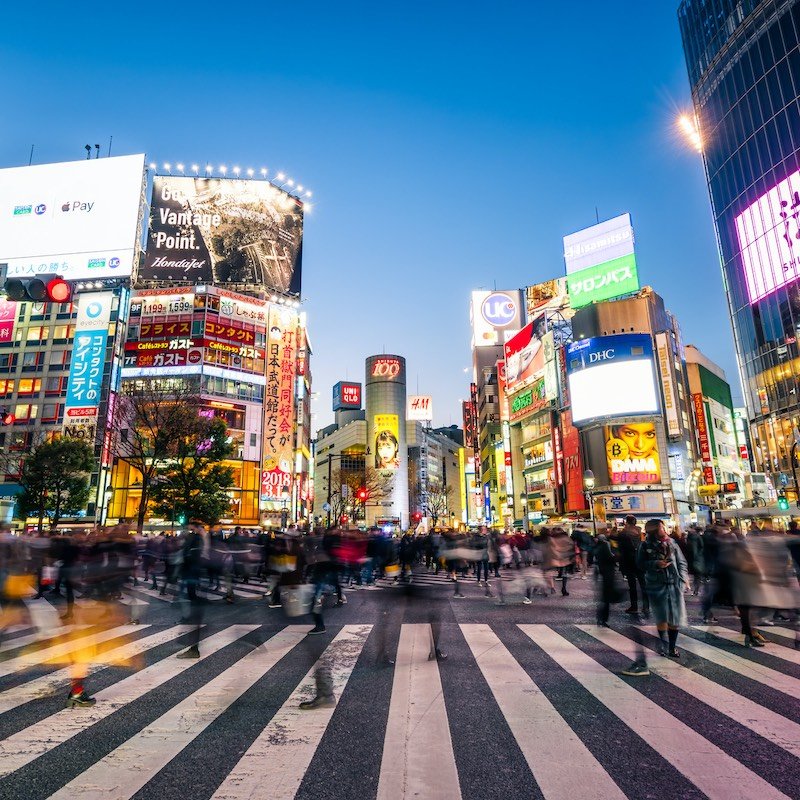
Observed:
{"x":496,"y":316}
{"x":524,"y":355}
{"x":346,"y":396}
{"x":532,"y":399}
{"x":147,"y":305}
{"x":632,"y":453}
{"x":8,"y":318}
{"x":84,"y":221}
{"x":769,"y":238}
{"x":387,"y":441}
{"x":157,"y":330}
{"x":603,"y":282}
{"x":611,"y":376}
{"x":667,"y":385}
{"x":709,"y":476}
{"x":598,"y":244}
{"x":224,"y":231}
{"x":386,"y":368}
{"x":229,"y":332}
{"x":419,"y":407}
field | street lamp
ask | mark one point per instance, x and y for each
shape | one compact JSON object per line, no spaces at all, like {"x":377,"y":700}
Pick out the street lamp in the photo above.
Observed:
{"x":285,"y":493}
{"x":588,"y":486}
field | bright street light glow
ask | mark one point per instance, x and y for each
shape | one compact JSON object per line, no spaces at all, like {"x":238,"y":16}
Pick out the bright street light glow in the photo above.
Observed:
{"x":223,"y":169}
{"x":263,"y":172}
{"x":179,"y":166}
{"x":195,"y":168}
{"x":250,"y":172}
{"x":236,"y":170}
{"x":280,"y":177}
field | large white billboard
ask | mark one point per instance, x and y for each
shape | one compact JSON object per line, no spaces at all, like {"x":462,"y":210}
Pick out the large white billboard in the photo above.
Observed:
{"x":77,"y":219}
{"x":496,"y":316}
{"x":603,"y":242}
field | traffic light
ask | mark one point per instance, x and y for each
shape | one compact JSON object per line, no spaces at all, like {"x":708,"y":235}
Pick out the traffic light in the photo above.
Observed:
{"x":362,"y":495}
{"x":41,"y":289}
{"x":7,"y":417}
{"x":783,"y":502}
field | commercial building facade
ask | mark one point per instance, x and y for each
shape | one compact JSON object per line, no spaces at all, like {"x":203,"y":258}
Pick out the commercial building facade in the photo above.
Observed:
{"x":743,"y":61}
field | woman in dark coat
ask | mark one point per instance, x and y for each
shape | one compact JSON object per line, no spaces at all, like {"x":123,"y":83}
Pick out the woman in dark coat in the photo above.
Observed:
{"x":606,"y":566}
{"x":665,"y":578}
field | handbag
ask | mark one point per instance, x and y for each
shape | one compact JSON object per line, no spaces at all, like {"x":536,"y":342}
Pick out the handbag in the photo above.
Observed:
{"x":49,"y":575}
{"x":296,"y":600}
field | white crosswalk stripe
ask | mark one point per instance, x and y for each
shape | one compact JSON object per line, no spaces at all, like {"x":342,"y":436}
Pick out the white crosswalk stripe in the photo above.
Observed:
{"x":553,"y":751}
{"x":743,"y":666}
{"x":731,"y":636}
{"x":709,"y":768}
{"x":280,"y":756}
{"x":767,"y":724}
{"x":16,"y":642}
{"x":415,"y":750}
{"x":418,"y":756}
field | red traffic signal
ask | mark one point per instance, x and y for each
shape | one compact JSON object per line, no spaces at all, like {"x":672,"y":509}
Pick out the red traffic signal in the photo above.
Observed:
{"x":42,"y":289}
{"x":416,"y":516}
{"x":7,"y":417}
{"x":362,"y":494}
{"x":59,"y":291}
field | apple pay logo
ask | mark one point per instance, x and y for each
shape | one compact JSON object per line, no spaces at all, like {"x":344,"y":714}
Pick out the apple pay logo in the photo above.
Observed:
{"x":77,"y":206}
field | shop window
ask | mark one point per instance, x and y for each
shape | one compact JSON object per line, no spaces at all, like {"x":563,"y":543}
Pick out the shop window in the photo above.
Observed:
{"x":29,"y":386}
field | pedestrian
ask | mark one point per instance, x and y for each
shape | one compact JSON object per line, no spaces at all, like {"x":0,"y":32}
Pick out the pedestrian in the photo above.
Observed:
{"x":560,"y":557}
{"x":585,"y":543}
{"x":192,"y":549}
{"x":665,"y":577}
{"x":606,"y":575}
{"x":628,"y":542}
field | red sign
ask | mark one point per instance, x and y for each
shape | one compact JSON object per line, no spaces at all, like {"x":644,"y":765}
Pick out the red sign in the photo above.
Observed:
{"x":8,"y":316}
{"x":155,"y":347}
{"x":388,"y":368}
{"x":702,"y":435}
{"x":573,"y":464}
{"x":351,"y":394}
{"x":524,"y":358}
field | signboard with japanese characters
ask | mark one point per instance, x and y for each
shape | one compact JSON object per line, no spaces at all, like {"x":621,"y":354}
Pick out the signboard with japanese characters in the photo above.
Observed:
{"x":8,"y":317}
{"x":88,"y":360}
{"x":278,"y":429}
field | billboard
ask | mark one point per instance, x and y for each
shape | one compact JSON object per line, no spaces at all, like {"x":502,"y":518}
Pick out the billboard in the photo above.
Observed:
{"x":524,"y":355}
{"x":78,"y":219}
{"x":8,"y":319}
{"x":600,"y":261}
{"x":279,"y":393}
{"x":84,"y":387}
{"x":611,"y":376}
{"x":668,"y":385}
{"x":224,"y":231}
{"x":546,"y":296}
{"x":598,"y":244}
{"x":495,"y":316}
{"x":704,"y":438}
{"x":387,"y":441}
{"x":769,"y":238}
{"x":346,"y":395}
{"x":632,"y":454}
{"x":419,"y":407}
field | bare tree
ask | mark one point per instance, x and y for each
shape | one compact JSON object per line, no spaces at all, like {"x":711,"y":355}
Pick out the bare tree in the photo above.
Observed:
{"x":353,"y":490}
{"x":153,"y":417}
{"x":439,"y":497}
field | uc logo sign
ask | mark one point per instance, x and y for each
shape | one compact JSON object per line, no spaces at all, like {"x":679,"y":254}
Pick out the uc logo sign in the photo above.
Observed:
{"x":498,"y":310}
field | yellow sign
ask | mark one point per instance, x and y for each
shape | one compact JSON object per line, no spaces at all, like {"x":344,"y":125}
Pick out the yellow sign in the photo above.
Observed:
{"x":632,"y":454}
{"x":711,"y":488}
{"x":387,"y":441}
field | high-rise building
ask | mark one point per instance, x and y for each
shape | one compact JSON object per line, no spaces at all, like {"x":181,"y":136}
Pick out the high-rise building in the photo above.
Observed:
{"x":743,"y":60}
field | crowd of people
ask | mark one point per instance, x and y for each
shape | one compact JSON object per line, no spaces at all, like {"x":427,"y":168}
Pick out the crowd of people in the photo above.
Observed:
{"x":755,"y":574}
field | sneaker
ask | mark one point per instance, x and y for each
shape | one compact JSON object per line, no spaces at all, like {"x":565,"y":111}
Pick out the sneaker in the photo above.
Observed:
{"x":82,"y":700}
{"x":768,"y":622}
{"x":527,"y":601}
{"x":316,"y":630}
{"x":459,"y":596}
{"x":192,"y":652}
{"x":341,"y":601}
{"x":674,"y":653}
{"x":274,"y":605}
{"x":709,"y":619}
{"x":318,"y":702}
{"x":636,"y":670}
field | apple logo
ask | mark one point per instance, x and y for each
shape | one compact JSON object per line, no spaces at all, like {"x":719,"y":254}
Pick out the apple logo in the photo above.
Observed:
{"x":65,"y":207}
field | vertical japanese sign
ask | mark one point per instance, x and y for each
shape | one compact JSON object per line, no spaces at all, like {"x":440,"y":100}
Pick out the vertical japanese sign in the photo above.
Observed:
{"x":84,"y":389}
{"x":667,"y":385}
{"x":278,"y":431}
{"x":8,"y":317}
{"x":709,"y":476}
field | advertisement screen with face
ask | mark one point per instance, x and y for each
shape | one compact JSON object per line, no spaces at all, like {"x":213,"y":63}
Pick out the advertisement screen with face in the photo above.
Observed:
{"x":524,"y":355}
{"x":224,"y":231}
{"x":387,"y":441}
{"x":632,"y":453}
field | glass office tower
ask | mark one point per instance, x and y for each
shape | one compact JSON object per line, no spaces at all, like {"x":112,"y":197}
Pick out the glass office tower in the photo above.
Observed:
{"x":743,"y":61}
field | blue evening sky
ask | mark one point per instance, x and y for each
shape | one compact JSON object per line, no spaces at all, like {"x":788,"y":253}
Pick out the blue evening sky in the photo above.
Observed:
{"x":449,"y":147}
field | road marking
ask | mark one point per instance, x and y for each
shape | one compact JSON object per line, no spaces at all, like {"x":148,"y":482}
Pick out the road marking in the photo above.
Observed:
{"x":708,"y":767}
{"x":785,"y":633}
{"x":776,"y":650}
{"x":125,"y":770}
{"x":771,"y":726}
{"x":280,"y":756}
{"x":554,"y":752}
{"x":418,"y":759}
{"x":55,"y":681}
{"x":34,"y":741}
{"x":61,"y":651}
{"x":743,"y":666}
{"x":32,"y":638}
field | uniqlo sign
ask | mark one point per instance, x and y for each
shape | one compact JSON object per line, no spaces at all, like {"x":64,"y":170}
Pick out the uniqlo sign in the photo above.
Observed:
{"x":346,"y":396}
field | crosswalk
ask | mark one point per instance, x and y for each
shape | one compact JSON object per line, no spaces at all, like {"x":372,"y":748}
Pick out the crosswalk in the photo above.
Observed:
{"x":723,"y":722}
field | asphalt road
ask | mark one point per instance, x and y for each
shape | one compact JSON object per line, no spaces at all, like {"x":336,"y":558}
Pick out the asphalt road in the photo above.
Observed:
{"x":528,"y":703}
